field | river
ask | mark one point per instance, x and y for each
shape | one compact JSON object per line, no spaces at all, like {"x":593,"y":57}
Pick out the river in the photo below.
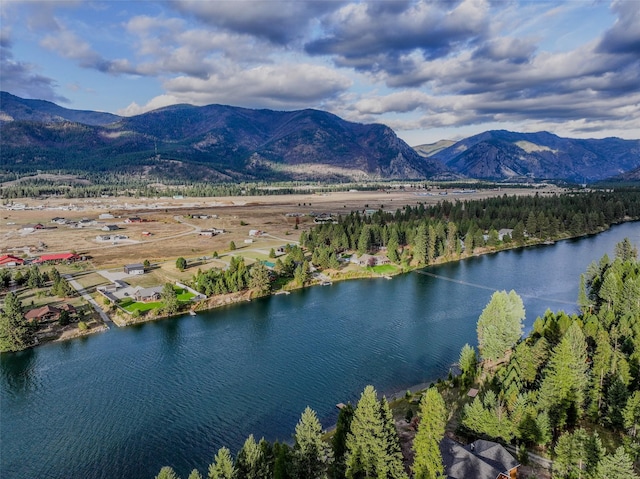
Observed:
{"x":124,"y":403}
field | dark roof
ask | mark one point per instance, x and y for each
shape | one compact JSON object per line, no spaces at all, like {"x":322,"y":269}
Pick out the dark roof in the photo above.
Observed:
{"x":134,"y":266}
{"x":480,"y":460}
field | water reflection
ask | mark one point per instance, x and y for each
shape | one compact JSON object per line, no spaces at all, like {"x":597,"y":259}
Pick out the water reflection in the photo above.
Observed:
{"x":18,"y":371}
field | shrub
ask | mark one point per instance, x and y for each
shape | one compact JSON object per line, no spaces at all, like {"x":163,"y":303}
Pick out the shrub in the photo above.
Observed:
{"x":82,"y":326}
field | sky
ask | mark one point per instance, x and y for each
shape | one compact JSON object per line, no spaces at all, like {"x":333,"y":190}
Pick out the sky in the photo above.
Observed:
{"x":430,"y":70}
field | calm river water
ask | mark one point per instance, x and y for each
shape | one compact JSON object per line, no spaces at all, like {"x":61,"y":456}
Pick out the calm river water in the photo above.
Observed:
{"x":124,"y":403}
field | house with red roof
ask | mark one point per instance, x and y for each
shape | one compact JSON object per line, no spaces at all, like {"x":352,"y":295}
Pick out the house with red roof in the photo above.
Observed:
{"x":48,"y":313}
{"x":51,"y":258}
{"x":10,"y":260}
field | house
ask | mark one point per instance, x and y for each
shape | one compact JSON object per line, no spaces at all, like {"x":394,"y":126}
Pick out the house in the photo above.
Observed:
{"x":105,"y":216}
{"x":48,"y":313}
{"x":103,"y":238}
{"x":85,"y":222}
{"x":480,"y":460}
{"x":209,"y":233}
{"x":504,"y":232}
{"x":10,"y":260}
{"x":110,"y":228}
{"x":133,"y":219}
{"x":58,"y":220}
{"x":369,"y":260}
{"x":32,"y":228}
{"x":135,"y":268}
{"x":255,"y":233}
{"x":54,"y":258}
{"x":148,"y":294}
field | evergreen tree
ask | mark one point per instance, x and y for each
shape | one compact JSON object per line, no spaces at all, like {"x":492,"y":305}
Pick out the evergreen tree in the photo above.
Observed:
{"x":583,"y":299}
{"x":617,"y":396}
{"x":500,"y":324}
{"x":631,"y":414}
{"x":311,"y":455}
{"x":15,"y":333}
{"x":571,"y":455}
{"x":222,"y":466}
{"x":282,"y":461}
{"x":251,"y":463}
{"x":420,"y":245}
{"x":468,"y":364}
{"x":626,"y":251}
{"x":260,"y":279}
{"x":433,"y":419}
{"x":366,"y":456}
{"x":518,"y":233}
{"x":394,"y":451}
{"x":616,"y":466}
{"x":170,"y":299}
{"x":167,"y":473}
{"x":339,"y":440}
{"x":195,"y":474}
{"x":566,"y":377}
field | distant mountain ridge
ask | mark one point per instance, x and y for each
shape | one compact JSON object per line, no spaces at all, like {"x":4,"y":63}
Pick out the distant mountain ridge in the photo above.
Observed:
{"x":501,"y":154}
{"x":214,"y":142}
{"x":13,"y":108}
{"x":218,"y":142}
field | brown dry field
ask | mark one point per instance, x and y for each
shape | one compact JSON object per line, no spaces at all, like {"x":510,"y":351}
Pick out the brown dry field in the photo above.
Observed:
{"x":174,"y":235}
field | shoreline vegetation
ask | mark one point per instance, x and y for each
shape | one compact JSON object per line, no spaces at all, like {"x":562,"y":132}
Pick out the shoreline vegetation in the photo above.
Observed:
{"x":384,"y":244}
{"x":368,"y":272}
{"x":564,"y":399}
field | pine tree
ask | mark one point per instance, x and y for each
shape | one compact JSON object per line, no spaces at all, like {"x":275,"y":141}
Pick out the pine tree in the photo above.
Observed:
{"x":15,"y":333}
{"x":260,"y":279}
{"x":167,"y":473}
{"x":566,"y":376}
{"x":222,"y":467}
{"x":468,"y":364}
{"x":616,"y":466}
{"x":251,"y":463}
{"x":631,"y":414}
{"x":170,"y":299}
{"x":394,"y":451}
{"x":311,"y":455}
{"x":420,"y":245}
{"x":366,"y":449}
{"x":433,"y":419}
{"x":339,"y":440}
{"x":195,"y":474}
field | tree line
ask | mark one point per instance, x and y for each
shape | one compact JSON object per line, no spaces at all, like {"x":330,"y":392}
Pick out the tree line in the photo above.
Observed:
{"x":572,"y":376}
{"x":418,"y":235}
{"x":365,"y":444}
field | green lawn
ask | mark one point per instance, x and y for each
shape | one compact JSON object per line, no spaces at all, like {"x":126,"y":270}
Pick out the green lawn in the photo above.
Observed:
{"x":130,"y":305}
{"x":384,"y":269}
{"x":184,"y":295}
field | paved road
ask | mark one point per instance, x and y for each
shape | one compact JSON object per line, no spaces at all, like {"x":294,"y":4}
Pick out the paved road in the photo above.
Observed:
{"x":78,"y":287}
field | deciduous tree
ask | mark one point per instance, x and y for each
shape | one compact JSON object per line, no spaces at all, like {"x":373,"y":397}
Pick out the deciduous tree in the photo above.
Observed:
{"x":500,"y":324}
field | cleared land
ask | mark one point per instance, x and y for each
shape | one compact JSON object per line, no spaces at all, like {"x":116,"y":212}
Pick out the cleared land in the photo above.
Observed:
{"x":171,"y":227}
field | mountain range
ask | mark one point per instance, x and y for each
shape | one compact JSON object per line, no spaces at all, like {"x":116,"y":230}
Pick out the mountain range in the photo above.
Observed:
{"x":218,"y":142}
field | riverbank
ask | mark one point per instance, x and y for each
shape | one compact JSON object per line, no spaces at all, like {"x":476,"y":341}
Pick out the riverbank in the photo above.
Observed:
{"x":123,"y":320}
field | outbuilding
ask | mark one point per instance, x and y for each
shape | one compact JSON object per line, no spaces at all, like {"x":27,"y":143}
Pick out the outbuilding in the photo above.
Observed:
{"x":135,"y":268}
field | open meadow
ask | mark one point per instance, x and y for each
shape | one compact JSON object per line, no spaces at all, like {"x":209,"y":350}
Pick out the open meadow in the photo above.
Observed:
{"x":169,"y":228}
